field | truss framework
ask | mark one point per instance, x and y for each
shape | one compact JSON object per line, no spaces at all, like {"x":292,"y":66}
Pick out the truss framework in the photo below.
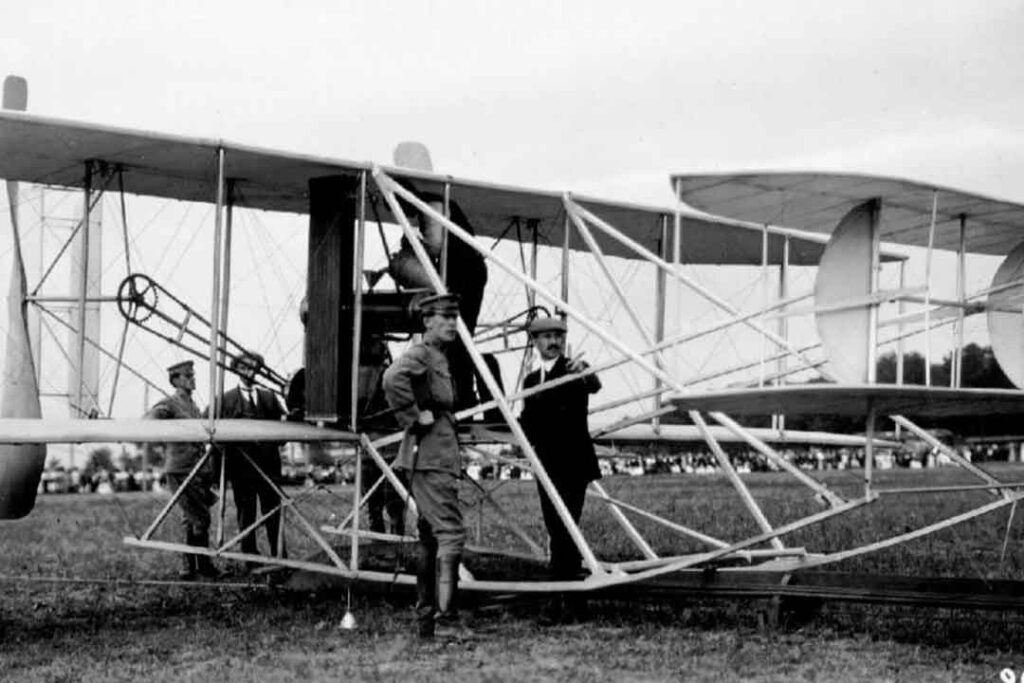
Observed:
{"x":602,"y":574}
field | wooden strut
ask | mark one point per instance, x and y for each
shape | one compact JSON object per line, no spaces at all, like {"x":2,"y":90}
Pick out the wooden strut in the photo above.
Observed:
{"x":648,"y":255}
{"x":909,"y":536}
{"x":287,"y":503}
{"x":754,"y":540}
{"x":578,"y":214}
{"x":602,"y":495}
{"x":951,"y":454}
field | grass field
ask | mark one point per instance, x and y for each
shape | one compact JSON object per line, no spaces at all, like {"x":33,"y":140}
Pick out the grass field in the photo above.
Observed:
{"x":59,"y":629}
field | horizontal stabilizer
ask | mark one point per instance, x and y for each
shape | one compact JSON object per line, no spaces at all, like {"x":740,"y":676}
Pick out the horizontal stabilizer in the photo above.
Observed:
{"x":690,"y":434}
{"x":847,"y":399}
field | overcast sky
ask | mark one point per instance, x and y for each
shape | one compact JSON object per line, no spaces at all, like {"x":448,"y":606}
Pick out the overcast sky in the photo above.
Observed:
{"x":604,"y":98}
{"x":589,"y":96}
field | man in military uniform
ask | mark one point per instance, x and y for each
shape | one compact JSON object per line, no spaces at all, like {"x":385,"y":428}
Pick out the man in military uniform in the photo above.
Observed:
{"x":419,"y":388}
{"x":179,"y":459}
{"x":555,"y":422}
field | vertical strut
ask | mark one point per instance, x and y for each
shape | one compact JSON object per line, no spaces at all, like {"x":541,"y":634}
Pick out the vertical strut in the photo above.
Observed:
{"x":660,"y":282}
{"x":928,"y":293}
{"x":218,"y":223}
{"x":83,"y":284}
{"x":961,"y":296}
{"x":876,"y":252}
{"x":225,"y":287}
{"x":357,"y":339}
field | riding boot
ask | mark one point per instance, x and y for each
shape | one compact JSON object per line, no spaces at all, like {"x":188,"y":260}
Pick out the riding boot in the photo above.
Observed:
{"x":188,"y":562}
{"x":426,"y":595}
{"x":448,"y":622}
{"x":376,"y":516}
{"x":204,"y":566}
{"x":398,"y":525}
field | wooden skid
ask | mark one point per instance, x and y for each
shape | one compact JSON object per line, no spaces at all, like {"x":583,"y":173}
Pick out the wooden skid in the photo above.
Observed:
{"x":831,"y":586}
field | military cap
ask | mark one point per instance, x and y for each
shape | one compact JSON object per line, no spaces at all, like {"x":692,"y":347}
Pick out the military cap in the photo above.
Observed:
{"x":178,"y":368}
{"x":438,"y":303}
{"x":547,"y":325}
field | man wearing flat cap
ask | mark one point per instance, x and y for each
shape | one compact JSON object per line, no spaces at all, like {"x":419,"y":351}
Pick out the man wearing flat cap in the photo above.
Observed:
{"x":179,"y":459}
{"x":249,"y":480}
{"x":418,"y":386}
{"x":555,"y":422}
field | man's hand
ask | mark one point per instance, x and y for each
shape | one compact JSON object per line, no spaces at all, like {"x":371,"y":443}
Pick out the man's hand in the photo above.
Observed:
{"x":576,"y":363}
{"x":425,"y":418}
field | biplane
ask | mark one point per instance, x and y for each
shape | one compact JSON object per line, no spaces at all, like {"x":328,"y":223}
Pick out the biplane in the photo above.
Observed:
{"x":836,"y":224}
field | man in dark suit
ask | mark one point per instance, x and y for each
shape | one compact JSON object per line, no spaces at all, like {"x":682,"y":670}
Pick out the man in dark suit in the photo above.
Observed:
{"x":252,"y":491}
{"x":555,"y":422}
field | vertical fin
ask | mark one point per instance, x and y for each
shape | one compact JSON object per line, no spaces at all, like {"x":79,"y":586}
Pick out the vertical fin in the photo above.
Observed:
{"x":21,"y":466}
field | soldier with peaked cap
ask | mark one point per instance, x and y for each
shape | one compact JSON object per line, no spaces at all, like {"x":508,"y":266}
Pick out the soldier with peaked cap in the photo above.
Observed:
{"x":179,"y":460}
{"x":555,"y":422}
{"x":419,"y":388}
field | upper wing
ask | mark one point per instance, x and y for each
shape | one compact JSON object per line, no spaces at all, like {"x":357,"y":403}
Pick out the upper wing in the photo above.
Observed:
{"x":54,"y":151}
{"x":816,"y":202}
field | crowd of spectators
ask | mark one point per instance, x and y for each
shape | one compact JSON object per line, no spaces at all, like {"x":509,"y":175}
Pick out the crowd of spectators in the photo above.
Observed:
{"x":132,"y":476}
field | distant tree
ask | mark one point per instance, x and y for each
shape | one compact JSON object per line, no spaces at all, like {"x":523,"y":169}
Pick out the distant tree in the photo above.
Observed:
{"x":98,"y":459}
{"x":979,"y":368}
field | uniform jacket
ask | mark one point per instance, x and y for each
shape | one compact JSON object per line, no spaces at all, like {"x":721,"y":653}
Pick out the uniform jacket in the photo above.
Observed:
{"x":555,"y":422}
{"x":266,"y":454}
{"x":420,"y":380}
{"x":179,"y":458}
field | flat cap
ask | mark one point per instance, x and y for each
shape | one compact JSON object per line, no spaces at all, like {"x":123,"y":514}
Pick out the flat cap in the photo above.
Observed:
{"x":183,"y":366}
{"x":248,"y":357}
{"x":438,"y":303}
{"x":547,"y":325}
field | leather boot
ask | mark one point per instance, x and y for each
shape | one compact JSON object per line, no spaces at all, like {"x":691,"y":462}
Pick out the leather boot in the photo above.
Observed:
{"x":448,"y":623}
{"x":426,"y":596}
{"x":188,"y":563}
{"x":398,"y":525}
{"x":377,"y":521}
{"x":204,"y":566}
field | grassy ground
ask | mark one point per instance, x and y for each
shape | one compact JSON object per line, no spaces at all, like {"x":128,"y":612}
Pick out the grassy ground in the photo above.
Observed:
{"x":63,"y":630}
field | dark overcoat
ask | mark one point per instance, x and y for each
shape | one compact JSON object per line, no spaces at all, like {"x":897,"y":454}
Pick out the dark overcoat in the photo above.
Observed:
{"x":265,"y":454}
{"x":555,"y":422}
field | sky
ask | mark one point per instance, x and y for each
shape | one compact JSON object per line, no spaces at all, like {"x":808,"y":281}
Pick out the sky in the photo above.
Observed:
{"x":594,"y":97}
{"x":578,"y":95}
